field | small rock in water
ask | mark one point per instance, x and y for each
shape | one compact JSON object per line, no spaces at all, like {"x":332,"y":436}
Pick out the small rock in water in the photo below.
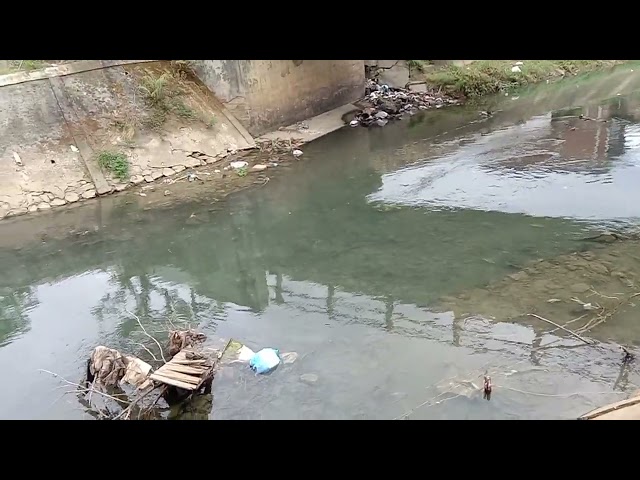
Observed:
{"x":297,"y":153}
{"x":381,"y":114}
{"x":167,"y":193}
{"x":354,"y":123}
{"x":309,"y":377}
{"x":142,"y":194}
{"x":289,"y":357}
{"x":259,"y":167}
{"x":381,"y":122}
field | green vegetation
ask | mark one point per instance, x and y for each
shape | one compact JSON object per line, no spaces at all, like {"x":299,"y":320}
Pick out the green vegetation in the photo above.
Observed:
{"x":242,"y":171}
{"x":163,"y":99}
{"x":115,"y":162}
{"x":419,"y":65}
{"x":487,"y":77}
{"x":32,"y":64}
{"x":13,"y":66}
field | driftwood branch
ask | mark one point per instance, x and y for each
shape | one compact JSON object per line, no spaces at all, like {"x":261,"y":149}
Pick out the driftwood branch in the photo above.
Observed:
{"x":147,"y":334}
{"x":147,"y":350}
{"x":582,"y":339}
{"x":83,"y":389}
{"x":124,"y":414}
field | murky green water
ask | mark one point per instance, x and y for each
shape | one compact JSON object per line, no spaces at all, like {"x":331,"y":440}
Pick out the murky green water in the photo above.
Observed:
{"x":346,"y":259}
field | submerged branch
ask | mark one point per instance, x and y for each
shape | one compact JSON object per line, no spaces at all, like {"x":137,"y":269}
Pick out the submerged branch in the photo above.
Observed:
{"x":582,"y":339}
{"x":147,"y":334}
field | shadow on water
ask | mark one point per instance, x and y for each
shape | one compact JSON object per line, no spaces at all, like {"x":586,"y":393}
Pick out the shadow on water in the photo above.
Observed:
{"x":360,"y":258}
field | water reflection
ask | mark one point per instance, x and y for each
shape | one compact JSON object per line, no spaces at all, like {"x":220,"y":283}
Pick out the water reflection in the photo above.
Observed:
{"x":315,"y":263}
{"x":581,"y":164}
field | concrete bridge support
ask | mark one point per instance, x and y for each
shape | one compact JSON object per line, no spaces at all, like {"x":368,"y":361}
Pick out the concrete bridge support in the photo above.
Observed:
{"x":267,"y":94}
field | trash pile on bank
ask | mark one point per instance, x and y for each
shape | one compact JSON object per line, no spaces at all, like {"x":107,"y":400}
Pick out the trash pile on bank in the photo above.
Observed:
{"x":384,"y":103}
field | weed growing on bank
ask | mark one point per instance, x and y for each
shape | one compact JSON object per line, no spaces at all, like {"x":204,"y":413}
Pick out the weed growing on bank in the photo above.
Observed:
{"x":115,"y":162}
{"x":163,"y":100}
{"x":486,"y":77}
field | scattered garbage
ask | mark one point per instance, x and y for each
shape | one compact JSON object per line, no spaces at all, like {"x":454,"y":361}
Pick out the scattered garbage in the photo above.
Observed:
{"x":516,"y":69}
{"x":265,"y":360}
{"x":74,"y":149}
{"x":386,"y":103}
{"x":167,"y":193}
{"x":238,"y":165}
{"x":297,"y":153}
{"x":245,"y":354}
{"x":518,"y":64}
{"x":17,"y":159}
{"x":259,"y":167}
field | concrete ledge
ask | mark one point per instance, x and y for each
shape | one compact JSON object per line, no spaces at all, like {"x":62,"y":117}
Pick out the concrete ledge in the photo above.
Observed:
{"x":62,"y":70}
{"x":319,"y":126}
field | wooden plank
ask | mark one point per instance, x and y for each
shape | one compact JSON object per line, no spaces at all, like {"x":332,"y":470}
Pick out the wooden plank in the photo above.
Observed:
{"x":188,"y":362}
{"x":171,"y":381}
{"x":179,"y":376}
{"x":184,"y":369}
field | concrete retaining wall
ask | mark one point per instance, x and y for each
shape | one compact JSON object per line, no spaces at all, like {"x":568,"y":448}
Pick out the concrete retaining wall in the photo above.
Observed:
{"x":53,"y":127}
{"x":266,"y":94}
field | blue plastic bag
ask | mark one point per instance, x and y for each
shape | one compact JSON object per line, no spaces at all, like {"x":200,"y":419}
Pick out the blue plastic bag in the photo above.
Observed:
{"x":265,"y":360}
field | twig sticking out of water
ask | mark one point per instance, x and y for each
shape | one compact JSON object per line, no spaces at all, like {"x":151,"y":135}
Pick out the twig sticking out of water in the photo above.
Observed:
{"x":147,"y":334}
{"x":126,"y":413}
{"x":582,"y":339}
{"x":83,"y":389}
{"x":603,"y":317}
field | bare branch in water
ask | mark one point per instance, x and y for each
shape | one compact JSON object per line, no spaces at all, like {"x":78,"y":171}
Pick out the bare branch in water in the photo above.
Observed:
{"x":561,"y":328}
{"x":147,"y":334}
{"x":81,"y":389}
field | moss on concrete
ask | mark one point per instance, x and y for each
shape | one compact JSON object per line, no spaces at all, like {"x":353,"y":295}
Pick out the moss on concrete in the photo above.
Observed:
{"x":485,"y":77}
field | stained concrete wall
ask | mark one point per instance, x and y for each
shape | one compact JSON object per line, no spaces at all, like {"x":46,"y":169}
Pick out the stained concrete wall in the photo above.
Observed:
{"x":52,"y":128}
{"x":267,"y":94}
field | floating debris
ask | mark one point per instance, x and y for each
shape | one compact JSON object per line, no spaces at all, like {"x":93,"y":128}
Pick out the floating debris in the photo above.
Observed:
{"x":297,"y":153}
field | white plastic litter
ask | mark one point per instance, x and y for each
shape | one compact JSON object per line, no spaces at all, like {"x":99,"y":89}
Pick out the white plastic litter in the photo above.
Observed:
{"x":245,"y":354}
{"x":237,"y":165}
{"x":297,"y":153}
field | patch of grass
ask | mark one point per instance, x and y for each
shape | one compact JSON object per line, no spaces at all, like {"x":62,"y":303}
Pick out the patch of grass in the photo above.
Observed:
{"x":115,"y":162}
{"x":154,"y":88}
{"x":242,"y":171}
{"x":487,"y":77}
{"x":182,"y":110}
{"x":163,"y":98}
{"x":127,"y":127}
{"x":419,"y":65}
{"x":212,"y":121}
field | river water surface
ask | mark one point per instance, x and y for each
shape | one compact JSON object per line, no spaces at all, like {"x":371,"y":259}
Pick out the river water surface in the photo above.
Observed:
{"x":400,"y":263}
